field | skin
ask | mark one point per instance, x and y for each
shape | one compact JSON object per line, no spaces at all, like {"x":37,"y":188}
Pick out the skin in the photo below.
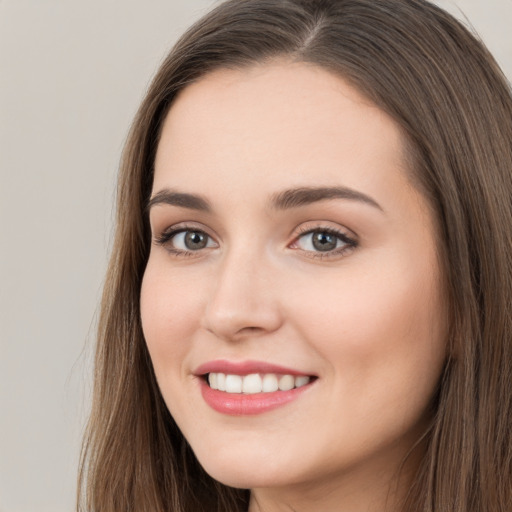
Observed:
{"x":368,"y":320}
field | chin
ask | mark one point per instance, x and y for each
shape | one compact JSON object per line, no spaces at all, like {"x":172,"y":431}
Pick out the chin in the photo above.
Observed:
{"x":240,"y":470}
{"x":247,"y":477}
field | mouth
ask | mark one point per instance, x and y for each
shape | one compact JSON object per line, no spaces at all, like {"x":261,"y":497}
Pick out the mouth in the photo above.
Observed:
{"x":248,"y":388}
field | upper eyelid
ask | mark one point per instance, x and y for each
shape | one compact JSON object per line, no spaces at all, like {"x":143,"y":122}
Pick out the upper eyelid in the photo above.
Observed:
{"x":192,"y":225}
{"x":182,"y":226}
{"x":332,"y":227}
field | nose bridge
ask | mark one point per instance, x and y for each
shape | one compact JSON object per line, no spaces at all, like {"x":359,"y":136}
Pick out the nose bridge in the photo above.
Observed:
{"x":242,"y":299}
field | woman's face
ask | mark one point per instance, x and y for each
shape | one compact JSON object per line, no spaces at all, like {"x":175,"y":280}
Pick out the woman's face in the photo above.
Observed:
{"x":294,"y":265}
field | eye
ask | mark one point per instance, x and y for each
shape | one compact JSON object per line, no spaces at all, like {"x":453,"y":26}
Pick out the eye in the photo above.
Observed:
{"x":323,"y":240}
{"x":182,"y":240}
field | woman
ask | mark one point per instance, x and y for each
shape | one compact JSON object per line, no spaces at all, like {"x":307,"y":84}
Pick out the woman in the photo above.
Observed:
{"x":308,"y":305}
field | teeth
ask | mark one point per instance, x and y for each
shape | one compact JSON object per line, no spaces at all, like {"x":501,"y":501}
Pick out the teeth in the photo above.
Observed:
{"x":221,"y":382}
{"x":286,"y":382}
{"x":301,"y":381}
{"x":270,"y":383}
{"x":233,"y":384}
{"x":212,"y":380}
{"x":252,"y":383}
{"x":255,"y":383}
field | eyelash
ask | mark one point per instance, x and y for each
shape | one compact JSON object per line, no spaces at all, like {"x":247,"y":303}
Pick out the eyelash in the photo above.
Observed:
{"x":349,"y":243}
{"x":166,"y":236}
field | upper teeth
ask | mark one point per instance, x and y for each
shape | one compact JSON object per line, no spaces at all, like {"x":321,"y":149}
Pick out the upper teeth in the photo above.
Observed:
{"x":255,"y":382}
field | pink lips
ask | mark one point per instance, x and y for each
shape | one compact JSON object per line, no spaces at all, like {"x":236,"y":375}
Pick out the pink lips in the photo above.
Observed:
{"x":239,"y":404}
{"x":243,"y":368}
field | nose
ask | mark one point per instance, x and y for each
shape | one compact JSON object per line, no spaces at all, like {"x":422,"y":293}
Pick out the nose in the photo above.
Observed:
{"x":243,"y":299}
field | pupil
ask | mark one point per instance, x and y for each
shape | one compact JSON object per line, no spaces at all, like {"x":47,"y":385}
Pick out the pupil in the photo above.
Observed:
{"x":195,"y":240}
{"x":324,"y":241}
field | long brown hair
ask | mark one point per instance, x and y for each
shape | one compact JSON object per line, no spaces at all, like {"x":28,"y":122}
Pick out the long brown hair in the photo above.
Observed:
{"x":454,"y":106}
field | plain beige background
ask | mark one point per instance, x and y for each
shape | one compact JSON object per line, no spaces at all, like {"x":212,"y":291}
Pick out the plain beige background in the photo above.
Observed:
{"x":71,"y":76}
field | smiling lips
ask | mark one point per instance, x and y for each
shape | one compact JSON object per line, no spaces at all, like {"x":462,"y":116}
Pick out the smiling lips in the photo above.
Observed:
{"x":250,"y":387}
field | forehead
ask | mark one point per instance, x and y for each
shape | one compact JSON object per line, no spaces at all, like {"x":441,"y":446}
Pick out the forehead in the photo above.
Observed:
{"x":282,"y":124}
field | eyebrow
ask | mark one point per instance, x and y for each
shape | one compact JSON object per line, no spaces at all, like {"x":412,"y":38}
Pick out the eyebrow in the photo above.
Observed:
{"x":181,"y":199}
{"x":302,"y":196}
{"x":285,"y":200}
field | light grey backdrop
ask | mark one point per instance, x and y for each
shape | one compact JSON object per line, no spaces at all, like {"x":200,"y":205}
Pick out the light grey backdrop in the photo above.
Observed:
{"x":71,"y":76}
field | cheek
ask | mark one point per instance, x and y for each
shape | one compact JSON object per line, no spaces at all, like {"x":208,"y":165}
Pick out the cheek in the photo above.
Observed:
{"x":358,"y":312}
{"x":170,"y":312}
{"x":382,"y":334}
